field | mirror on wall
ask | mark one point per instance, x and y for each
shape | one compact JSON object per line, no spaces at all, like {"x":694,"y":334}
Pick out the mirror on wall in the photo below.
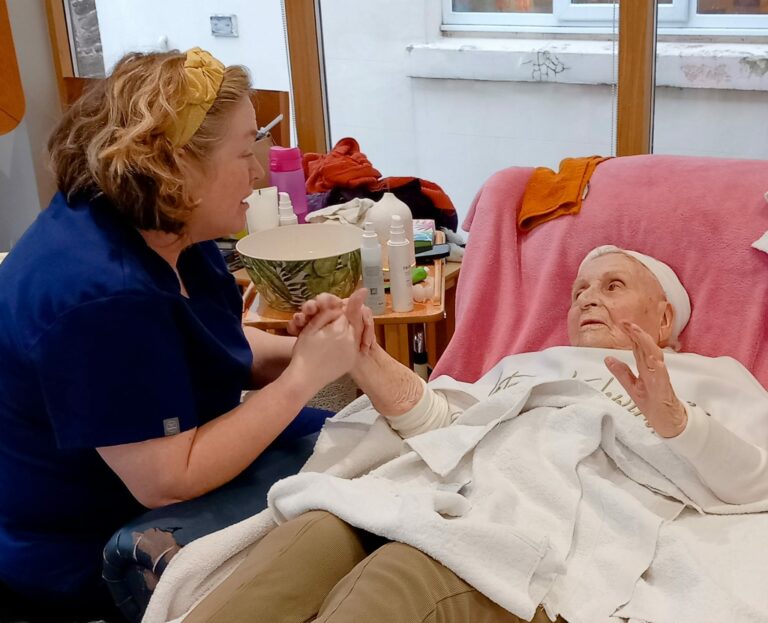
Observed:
{"x":11,"y":94}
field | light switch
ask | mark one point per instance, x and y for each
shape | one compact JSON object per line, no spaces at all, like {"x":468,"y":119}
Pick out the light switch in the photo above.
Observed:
{"x":224,"y":25}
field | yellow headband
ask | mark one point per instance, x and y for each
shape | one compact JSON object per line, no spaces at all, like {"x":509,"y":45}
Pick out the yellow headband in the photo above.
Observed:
{"x":204,"y":74}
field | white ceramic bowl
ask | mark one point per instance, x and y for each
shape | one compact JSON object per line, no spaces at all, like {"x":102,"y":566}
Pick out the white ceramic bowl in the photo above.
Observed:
{"x":295,"y":263}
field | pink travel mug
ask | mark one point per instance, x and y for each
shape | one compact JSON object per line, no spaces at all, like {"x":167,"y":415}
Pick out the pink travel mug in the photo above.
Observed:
{"x":286,"y":172}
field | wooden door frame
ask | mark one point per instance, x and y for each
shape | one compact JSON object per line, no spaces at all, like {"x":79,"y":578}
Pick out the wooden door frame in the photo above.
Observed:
{"x":637,"y":77}
{"x":307,"y":69}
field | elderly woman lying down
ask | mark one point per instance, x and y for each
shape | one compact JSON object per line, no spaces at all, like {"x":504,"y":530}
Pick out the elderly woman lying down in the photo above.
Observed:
{"x":560,"y":486}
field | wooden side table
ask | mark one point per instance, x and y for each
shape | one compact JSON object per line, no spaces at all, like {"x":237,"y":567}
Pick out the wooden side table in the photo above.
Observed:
{"x":394,"y":330}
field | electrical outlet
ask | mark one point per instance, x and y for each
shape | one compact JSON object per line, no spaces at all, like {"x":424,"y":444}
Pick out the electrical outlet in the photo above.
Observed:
{"x":224,"y":25}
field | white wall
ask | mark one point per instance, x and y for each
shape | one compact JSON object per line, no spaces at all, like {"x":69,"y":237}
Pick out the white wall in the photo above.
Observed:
{"x":457,"y":132}
{"x":19,"y":201}
{"x":139,"y":25}
{"x":26,"y":185}
{"x":370,"y":97}
{"x":711,"y":122}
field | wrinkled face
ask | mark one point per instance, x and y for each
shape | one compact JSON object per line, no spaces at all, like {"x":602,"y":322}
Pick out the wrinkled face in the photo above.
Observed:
{"x":610,"y":289}
{"x":228,"y":179}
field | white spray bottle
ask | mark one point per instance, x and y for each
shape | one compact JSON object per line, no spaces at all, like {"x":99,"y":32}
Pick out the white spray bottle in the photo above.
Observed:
{"x":373,"y":276}
{"x":400,"y":281}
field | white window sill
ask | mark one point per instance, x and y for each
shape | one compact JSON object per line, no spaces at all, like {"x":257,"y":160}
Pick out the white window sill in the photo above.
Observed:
{"x":732,"y":66}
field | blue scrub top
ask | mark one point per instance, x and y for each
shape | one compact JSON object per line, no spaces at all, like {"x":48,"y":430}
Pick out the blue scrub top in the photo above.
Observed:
{"x":98,"y":347}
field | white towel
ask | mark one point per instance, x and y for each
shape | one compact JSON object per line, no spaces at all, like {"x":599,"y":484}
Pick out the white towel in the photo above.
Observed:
{"x":350,"y":213}
{"x":512,"y":501}
{"x":543,"y":491}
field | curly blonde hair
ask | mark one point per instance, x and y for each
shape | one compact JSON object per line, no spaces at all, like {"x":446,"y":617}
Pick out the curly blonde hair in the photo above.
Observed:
{"x":111,"y":141}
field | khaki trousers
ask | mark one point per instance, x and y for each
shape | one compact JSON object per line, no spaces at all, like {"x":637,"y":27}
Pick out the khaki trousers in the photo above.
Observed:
{"x":318,"y":568}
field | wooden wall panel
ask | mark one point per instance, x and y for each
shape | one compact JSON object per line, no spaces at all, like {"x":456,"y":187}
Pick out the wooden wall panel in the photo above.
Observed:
{"x":12,"y":104}
{"x":62,"y":55}
{"x":270,"y":104}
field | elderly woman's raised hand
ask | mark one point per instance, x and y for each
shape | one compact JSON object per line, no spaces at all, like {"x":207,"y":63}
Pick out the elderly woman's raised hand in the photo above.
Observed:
{"x":332,"y":306}
{"x":651,"y":389}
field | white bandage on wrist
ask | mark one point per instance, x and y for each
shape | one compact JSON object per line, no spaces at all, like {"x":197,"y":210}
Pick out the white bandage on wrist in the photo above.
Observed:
{"x":431,"y":412}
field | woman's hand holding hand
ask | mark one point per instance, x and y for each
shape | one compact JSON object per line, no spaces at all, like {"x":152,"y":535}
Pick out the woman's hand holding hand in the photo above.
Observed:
{"x":329,"y":343}
{"x":325,"y":302}
{"x":651,"y":389}
{"x":322,"y":302}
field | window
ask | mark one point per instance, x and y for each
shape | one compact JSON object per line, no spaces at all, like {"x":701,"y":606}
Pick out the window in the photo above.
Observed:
{"x":717,"y":17}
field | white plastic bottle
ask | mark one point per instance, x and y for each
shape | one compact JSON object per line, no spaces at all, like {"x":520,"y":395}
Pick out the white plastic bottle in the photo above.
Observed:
{"x":400,"y":282}
{"x":285,"y":210}
{"x":373,"y":276}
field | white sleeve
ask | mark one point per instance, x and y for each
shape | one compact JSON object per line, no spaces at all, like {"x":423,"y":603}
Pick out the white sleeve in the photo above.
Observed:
{"x":735,"y":470}
{"x":431,"y":412}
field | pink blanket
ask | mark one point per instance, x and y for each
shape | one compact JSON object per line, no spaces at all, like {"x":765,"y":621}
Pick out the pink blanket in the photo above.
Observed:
{"x":700,"y":215}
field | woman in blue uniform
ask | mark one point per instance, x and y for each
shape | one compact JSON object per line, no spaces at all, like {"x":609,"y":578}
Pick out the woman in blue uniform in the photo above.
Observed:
{"x":122,"y":355}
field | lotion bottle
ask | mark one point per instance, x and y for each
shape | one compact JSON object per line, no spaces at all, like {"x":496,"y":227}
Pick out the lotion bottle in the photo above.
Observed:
{"x":399,"y":251}
{"x":373,"y":276}
{"x":285,"y":210}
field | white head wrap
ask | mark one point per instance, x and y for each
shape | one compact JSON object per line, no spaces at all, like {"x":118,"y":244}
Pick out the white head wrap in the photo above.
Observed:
{"x":673,"y":289}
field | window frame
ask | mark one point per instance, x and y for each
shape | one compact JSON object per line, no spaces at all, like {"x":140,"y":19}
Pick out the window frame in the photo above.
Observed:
{"x":678,"y":17}
{"x":675,"y":12}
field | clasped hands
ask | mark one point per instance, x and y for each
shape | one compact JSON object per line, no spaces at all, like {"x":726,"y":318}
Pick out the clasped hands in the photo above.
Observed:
{"x":651,"y":390}
{"x":331,"y":333}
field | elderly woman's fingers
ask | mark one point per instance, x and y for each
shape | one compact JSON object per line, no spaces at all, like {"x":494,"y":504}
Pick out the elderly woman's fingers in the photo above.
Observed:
{"x":643,"y":348}
{"x":636,"y":349}
{"x":652,"y":389}
{"x":369,"y":333}
{"x":354,"y":311}
{"x":650,"y":347}
{"x":655,"y":373}
{"x":625,"y":376}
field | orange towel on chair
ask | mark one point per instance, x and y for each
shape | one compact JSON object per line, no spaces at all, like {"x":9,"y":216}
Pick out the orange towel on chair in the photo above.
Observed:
{"x":549,"y":194}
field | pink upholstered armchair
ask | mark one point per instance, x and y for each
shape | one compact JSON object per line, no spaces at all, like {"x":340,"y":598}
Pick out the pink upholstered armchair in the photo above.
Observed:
{"x":700,"y":215}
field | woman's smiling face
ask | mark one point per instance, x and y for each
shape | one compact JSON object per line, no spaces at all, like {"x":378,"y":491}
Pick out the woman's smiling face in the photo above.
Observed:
{"x":227,"y":179}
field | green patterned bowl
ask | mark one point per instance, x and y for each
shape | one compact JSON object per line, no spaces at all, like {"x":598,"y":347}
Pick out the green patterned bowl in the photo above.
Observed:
{"x":292,"y":264}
